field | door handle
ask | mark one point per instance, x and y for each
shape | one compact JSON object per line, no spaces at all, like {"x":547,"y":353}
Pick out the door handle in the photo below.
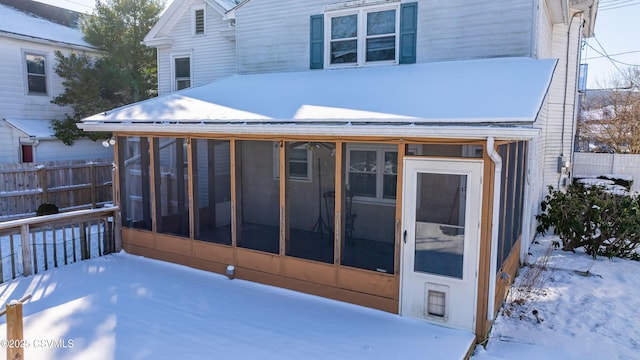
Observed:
{"x":404,"y":236}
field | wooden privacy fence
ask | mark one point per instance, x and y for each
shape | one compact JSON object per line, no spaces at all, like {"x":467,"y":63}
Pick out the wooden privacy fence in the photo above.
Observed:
{"x":595,"y":164}
{"x":69,"y":185}
{"x":32,"y":245}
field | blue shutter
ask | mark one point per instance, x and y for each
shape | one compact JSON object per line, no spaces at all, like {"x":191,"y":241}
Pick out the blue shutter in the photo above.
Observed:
{"x":316,"y":58}
{"x":408,"y":32}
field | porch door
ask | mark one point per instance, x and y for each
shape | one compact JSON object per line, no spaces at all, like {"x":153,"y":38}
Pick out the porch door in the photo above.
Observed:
{"x":441,"y":232}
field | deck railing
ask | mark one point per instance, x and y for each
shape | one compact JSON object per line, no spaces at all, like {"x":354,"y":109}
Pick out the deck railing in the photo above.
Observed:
{"x":32,"y":245}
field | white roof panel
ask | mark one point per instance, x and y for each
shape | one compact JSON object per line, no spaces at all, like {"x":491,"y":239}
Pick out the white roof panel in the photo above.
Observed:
{"x":499,"y":90}
{"x":16,"y":22}
{"x":33,"y":128}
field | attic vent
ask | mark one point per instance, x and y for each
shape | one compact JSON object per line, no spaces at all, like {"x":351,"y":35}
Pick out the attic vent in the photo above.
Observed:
{"x":199,"y":21}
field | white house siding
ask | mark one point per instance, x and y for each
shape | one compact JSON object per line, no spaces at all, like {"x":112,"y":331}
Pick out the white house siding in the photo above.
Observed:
{"x":544,"y":33}
{"x":451,"y":30}
{"x":555,"y":144}
{"x":53,"y":150}
{"x":212,"y":55}
{"x":8,"y":145}
{"x":274,"y":35}
{"x":14,"y":101}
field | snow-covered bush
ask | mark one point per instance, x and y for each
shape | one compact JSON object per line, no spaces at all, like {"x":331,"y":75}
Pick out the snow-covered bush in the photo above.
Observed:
{"x":604,"y":223}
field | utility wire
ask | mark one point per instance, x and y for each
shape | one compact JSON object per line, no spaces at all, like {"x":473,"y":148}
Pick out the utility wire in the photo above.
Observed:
{"x":603,"y":55}
{"x":612,"y":55}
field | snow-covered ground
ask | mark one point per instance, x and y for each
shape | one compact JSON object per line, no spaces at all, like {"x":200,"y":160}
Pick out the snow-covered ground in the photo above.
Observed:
{"x":587,"y":309}
{"x":126,"y":307}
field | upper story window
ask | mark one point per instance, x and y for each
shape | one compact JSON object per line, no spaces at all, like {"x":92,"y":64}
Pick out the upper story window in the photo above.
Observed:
{"x":36,"y":74}
{"x":182,"y":72}
{"x":363,"y":37}
{"x":198,"y":21}
{"x":350,"y":34}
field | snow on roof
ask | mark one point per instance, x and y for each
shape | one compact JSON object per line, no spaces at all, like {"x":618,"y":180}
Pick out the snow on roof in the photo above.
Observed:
{"x":16,"y":22}
{"x":33,"y":128}
{"x":499,"y":90}
{"x":228,"y":4}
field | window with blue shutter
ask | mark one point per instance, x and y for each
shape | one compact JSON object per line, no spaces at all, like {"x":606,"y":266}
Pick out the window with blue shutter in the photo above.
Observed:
{"x":408,"y":32}
{"x":317,"y":42}
{"x":359,"y":35}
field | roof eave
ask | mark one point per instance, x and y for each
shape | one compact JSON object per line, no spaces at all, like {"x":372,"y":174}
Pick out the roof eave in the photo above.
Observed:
{"x":409,"y":129}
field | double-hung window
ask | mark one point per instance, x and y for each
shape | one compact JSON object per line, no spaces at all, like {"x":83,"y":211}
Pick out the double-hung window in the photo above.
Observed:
{"x":299,"y":162}
{"x":36,"y":74}
{"x":372,"y":172}
{"x":364,"y":32}
{"x":364,"y":35}
{"x":182,"y":72}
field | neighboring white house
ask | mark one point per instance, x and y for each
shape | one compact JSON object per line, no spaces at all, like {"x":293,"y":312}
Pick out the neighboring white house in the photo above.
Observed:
{"x":415,"y":138}
{"x":29,"y":83}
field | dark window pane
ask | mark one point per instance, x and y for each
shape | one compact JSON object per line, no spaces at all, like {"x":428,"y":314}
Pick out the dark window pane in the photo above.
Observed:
{"x":182,"y":84}
{"x":381,"y":22}
{"x":380,"y":49}
{"x":183,"y":69}
{"x":362,"y":161}
{"x":439,"y":232}
{"x":344,"y":27}
{"x":389,"y":186}
{"x":298,"y":154}
{"x":37,"y":84}
{"x":35,"y":64}
{"x":343,"y":52}
{"x":298,"y":170}
{"x":362,"y":184}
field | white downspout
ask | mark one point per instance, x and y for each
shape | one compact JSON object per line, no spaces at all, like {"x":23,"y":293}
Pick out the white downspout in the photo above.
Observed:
{"x":497,"y":178}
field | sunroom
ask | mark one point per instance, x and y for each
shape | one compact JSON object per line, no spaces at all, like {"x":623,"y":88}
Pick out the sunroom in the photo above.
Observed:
{"x":399,"y":188}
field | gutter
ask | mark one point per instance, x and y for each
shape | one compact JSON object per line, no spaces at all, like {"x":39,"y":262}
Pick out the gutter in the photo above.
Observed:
{"x":497,"y":177}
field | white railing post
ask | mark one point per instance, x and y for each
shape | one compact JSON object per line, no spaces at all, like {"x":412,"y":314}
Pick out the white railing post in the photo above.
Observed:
{"x":27,"y":262}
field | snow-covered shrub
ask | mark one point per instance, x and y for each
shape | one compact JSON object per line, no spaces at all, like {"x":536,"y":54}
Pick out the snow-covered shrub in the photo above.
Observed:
{"x":602,"y":222}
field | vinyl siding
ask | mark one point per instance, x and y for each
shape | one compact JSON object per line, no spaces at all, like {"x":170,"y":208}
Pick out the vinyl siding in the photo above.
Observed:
{"x":274,"y":35}
{"x":212,"y":54}
{"x":14,"y":100}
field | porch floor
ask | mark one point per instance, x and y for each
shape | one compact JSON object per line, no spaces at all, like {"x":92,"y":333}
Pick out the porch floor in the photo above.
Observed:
{"x":124,"y":306}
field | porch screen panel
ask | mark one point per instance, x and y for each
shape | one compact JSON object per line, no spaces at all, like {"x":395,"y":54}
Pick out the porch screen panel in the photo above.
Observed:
{"x":212,"y":190}
{"x":514,"y":161}
{"x":310,"y":200}
{"x":369,"y":206}
{"x":135,"y":188}
{"x":258,"y":196}
{"x":171,"y":181}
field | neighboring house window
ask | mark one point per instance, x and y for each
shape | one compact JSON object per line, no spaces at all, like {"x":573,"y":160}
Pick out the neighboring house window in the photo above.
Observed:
{"x":351,"y":36}
{"x":299,"y":163}
{"x":27,"y":153}
{"x":36,"y":74}
{"x":372,"y":172}
{"x":198,"y":21}
{"x":182,"y":71}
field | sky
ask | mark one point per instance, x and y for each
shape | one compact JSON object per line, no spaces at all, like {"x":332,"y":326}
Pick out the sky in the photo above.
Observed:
{"x":617,"y":34}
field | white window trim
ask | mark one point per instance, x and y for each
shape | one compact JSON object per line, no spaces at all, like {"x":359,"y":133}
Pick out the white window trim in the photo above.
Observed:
{"x":175,"y":56}
{"x":276,"y":166}
{"x":362,"y":36}
{"x":380,"y":150}
{"x":193,"y":19}
{"x":47,"y":72}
